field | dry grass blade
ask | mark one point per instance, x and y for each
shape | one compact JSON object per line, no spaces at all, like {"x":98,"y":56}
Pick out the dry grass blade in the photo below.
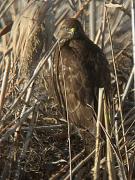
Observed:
{"x":45,"y":127}
{"x":133,"y":34}
{"x":4,"y":83}
{"x":101,"y":29}
{"x":110,"y":156}
{"x":6,"y":8}
{"x":128,"y":84}
{"x":98,"y":146}
{"x":3,"y":5}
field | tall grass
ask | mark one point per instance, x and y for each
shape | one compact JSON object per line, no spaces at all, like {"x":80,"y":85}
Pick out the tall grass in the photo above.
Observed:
{"x":23,"y":114}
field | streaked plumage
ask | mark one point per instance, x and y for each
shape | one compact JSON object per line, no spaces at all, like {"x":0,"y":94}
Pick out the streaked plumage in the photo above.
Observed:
{"x":80,"y":68}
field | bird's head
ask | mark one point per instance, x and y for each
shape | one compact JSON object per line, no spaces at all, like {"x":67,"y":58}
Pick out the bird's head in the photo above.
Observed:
{"x":70,"y":28}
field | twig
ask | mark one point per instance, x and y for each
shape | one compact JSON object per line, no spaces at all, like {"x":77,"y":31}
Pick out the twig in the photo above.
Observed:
{"x":81,"y":9}
{"x":6,"y":29}
{"x":49,"y":127}
{"x":92,"y":20}
{"x":133,"y":35}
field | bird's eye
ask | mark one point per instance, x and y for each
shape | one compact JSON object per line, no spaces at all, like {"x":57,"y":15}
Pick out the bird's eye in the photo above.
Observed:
{"x":72,"y":30}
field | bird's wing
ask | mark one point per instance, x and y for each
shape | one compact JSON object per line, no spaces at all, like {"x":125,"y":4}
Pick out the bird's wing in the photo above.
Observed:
{"x":74,"y":87}
{"x":100,"y":68}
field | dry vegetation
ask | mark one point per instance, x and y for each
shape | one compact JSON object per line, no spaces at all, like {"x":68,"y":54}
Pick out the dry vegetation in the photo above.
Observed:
{"x":33,"y":134}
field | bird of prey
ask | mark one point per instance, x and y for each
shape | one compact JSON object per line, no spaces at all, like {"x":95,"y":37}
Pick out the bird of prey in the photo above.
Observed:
{"x":80,"y":68}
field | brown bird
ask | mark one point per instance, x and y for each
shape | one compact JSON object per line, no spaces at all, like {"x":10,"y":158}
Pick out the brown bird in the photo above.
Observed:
{"x":80,"y":69}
